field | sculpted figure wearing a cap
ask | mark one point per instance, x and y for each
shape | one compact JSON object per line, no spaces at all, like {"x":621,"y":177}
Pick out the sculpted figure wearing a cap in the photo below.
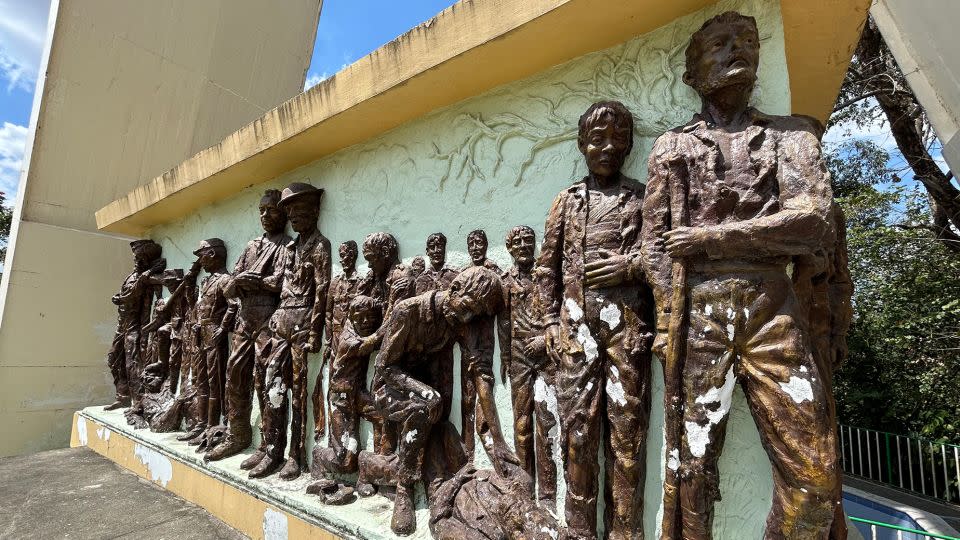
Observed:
{"x":297,"y":328}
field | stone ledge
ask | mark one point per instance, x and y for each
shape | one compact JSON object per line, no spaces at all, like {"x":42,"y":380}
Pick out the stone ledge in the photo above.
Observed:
{"x":267,"y":508}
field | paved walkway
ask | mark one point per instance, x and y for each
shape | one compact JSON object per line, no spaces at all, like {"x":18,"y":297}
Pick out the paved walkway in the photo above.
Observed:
{"x":76,"y":493}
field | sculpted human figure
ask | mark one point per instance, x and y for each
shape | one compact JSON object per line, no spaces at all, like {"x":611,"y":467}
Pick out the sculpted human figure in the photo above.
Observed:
{"x":532,"y":372}
{"x":297,"y":330}
{"x":733,"y":196}
{"x":387,"y":282}
{"x":133,"y":303}
{"x":255,"y":286}
{"x":342,"y":290}
{"x":438,"y":276}
{"x":599,"y":323}
{"x":418,"y":336}
{"x":348,"y":373}
{"x":215,"y":315}
{"x":417,"y":266}
{"x":479,"y":365}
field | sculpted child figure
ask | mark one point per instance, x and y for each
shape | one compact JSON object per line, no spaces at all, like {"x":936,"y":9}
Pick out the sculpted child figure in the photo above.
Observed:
{"x":255,"y":285}
{"x":214,"y":320}
{"x":532,"y":372}
{"x":599,"y":327}
{"x":342,"y":290}
{"x":297,"y":330}
{"x":733,"y":196}
{"x":348,"y":376}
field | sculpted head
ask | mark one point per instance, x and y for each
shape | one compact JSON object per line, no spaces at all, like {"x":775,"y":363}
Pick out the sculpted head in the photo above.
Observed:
{"x":364,"y":315}
{"x":145,"y":252}
{"x":381,"y":252}
{"x":417,"y":266}
{"x":723,"y":53}
{"x":212,"y":254}
{"x":301,"y":202}
{"x":348,"y":255}
{"x":521,"y":241}
{"x":605,"y":137}
{"x":477,"y":246}
{"x":272,"y":218}
{"x":474,"y":292}
{"x":437,"y":250}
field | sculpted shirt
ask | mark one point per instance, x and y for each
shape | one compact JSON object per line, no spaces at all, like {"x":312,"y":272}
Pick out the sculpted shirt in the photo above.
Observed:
{"x":435,"y":280}
{"x":765,"y":193}
{"x":343,"y":289}
{"x":306,"y":279}
{"x":416,"y":327}
{"x":522,"y":315}
{"x":263,"y":256}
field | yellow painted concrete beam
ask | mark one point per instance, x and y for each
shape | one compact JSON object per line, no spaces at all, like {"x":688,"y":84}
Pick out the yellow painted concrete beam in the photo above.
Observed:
{"x":469,"y":48}
{"x":236,"y":507}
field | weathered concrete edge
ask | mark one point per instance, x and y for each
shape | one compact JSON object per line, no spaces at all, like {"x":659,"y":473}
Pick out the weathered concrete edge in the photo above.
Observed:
{"x":279,"y":503}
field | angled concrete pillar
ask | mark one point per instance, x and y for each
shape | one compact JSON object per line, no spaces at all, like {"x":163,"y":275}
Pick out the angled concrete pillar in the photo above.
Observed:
{"x":126,"y":91}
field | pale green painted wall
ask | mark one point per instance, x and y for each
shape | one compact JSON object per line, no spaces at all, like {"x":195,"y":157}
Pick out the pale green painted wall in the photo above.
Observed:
{"x":497,"y":160}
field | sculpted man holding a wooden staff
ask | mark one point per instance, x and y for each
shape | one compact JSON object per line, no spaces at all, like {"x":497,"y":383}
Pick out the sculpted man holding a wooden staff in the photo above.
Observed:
{"x":733,"y":196}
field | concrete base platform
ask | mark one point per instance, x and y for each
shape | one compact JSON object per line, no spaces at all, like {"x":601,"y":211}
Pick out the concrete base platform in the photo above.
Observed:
{"x":270,"y":508}
{"x":76,"y":493}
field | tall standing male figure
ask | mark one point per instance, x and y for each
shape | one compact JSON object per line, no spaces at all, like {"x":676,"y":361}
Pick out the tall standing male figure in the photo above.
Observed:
{"x":599,"y":326}
{"x":255,"y":284}
{"x":756,"y":194}
{"x":297,"y":328}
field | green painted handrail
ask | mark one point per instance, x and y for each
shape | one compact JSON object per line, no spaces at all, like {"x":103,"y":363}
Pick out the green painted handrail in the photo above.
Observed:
{"x":904,"y":529}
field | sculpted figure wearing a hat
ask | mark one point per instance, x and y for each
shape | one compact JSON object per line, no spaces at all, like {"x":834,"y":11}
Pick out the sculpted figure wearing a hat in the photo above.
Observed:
{"x":297,"y":327}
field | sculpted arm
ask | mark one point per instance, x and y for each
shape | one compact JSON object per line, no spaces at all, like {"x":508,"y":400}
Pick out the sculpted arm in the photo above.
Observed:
{"x":548,"y":273}
{"x":655,"y":260}
{"x":322,"y":268}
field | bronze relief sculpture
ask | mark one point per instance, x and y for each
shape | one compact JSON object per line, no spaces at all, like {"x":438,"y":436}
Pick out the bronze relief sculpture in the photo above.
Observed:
{"x":255,"y":286}
{"x":297,"y":329}
{"x":598,"y":313}
{"x":733,"y":196}
{"x":532,"y":373}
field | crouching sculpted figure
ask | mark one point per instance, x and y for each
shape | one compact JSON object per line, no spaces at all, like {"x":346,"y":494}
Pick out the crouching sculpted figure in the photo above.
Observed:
{"x":733,"y":196}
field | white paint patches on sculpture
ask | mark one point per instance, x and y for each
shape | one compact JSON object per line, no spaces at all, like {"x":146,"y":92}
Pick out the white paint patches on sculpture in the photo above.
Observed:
{"x":274,"y":525}
{"x":798,"y":389}
{"x":615,"y":389}
{"x":610,"y":314}
{"x":550,"y":531}
{"x":82,"y":430}
{"x":585,"y":339}
{"x":159,"y":465}
{"x":673,"y":459}
{"x":708,"y":309}
{"x":410,"y":436}
{"x":574,"y":309}
{"x":698,"y":437}
{"x":547,"y":394}
{"x":276,"y":392}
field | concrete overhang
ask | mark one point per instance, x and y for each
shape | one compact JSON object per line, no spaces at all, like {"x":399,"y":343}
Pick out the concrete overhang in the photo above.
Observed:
{"x":469,"y":48}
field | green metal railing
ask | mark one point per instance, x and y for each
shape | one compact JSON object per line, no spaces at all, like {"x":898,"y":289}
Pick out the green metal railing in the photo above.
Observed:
{"x":913,"y":464}
{"x":876,"y":527}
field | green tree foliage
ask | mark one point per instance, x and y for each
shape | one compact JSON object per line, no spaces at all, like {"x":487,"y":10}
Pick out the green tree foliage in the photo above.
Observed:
{"x":903,"y":371}
{"x":6,"y":217}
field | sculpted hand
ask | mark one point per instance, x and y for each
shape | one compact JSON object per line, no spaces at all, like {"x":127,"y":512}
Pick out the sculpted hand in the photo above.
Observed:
{"x":535,"y":346}
{"x":401,"y":285}
{"x":551,"y":341}
{"x":218,"y":334}
{"x":313,"y":343}
{"x":607,"y":272}
{"x":685,"y":241}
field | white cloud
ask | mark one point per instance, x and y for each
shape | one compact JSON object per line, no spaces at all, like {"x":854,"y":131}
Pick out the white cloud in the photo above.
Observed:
{"x":13,"y":142}
{"x":313,"y":79}
{"x":23,"y":28}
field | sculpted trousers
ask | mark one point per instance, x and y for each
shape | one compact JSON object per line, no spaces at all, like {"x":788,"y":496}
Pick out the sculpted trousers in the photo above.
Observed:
{"x":535,"y":435}
{"x":748,"y":329}
{"x":347,"y":377}
{"x":248,"y":343}
{"x":606,"y":385}
{"x":117,"y":362}
{"x":286,"y":368}
{"x":215,"y":356}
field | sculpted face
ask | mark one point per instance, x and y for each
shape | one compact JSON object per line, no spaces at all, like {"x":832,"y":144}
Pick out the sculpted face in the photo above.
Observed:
{"x":521,"y":247}
{"x":303,"y":214}
{"x":477,"y":247}
{"x":348,"y":257}
{"x":463,"y":307}
{"x":141,"y":260}
{"x":437,"y":252}
{"x":272,"y":218}
{"x":605,"y":146}
{"x":208,"y":259}
{"x":729,"y":55}
{"x":378,"y":258}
